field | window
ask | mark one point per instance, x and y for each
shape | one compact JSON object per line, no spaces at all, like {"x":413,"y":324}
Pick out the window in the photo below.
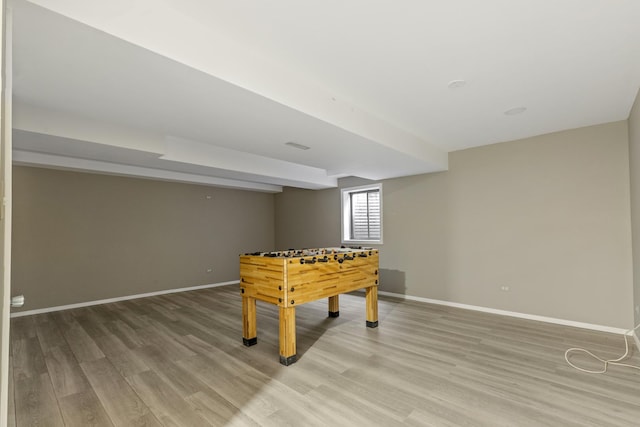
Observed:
{"x":362,"y":214}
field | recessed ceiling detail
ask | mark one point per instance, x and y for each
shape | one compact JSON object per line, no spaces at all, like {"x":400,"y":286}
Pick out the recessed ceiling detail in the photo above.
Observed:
{"x":370,"y":102}
{"x":456,"y":84}
{"x":515,"y":111}
{"x":296,"y":145}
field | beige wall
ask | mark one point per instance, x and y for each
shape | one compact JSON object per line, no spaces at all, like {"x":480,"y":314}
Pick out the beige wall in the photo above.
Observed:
{"x":81,"y":237}
{"x":306,"y":218}
{"x":634,"y":160}
{"x":547,"y":216}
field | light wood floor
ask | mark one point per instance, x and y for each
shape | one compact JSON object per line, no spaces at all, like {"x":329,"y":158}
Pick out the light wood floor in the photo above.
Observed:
{"x":178,"y":360}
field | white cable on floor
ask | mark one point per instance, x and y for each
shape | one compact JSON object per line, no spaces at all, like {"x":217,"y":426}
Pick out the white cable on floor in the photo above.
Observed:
{"x":605,"y":362}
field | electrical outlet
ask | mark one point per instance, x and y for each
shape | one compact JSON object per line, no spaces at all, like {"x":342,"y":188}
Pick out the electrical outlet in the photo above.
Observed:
{"x":209,"y":270}
{"x":505,"y":288}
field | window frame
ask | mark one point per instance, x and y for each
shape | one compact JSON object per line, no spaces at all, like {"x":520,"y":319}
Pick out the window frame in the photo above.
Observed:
{"x":345,"y":210}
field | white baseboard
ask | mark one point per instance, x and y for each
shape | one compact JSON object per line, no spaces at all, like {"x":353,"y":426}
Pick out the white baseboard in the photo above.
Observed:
{"x":513,"y":314}
{"x":389,"y":294}
{"x":124,"y":298}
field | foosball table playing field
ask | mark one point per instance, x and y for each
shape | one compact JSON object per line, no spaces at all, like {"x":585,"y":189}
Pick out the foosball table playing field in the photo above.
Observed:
{"x":294,"y":277}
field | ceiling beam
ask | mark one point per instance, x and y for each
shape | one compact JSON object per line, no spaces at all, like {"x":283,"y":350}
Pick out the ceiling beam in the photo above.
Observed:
{"x":145,"y":24}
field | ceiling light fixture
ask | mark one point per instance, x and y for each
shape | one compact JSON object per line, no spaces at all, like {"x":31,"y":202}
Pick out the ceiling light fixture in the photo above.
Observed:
{"x":296,"y":145}
{"x":514,"y":111}
{"x":456,"y":84}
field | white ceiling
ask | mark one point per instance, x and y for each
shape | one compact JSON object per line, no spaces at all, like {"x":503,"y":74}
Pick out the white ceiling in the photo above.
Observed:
{"x":210,"y":91}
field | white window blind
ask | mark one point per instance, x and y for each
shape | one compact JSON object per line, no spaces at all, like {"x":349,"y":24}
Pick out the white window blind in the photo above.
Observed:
{"x":365,"y":215}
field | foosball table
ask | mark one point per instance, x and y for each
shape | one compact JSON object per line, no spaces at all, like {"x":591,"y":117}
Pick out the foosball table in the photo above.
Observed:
{"x":294,"y":277}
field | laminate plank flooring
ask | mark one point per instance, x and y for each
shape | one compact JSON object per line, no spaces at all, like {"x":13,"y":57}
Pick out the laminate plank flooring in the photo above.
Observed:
{"x":178,"y":360}
{"x":11,"y":404}
{"x":83,"y":409}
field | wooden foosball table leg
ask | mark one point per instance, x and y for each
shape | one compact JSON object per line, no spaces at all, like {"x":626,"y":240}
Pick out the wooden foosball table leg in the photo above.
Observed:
{"x":249,"y":331}
{"x":372,"y":306}
{"x":287,"y":335}
{"x":334,"y":306}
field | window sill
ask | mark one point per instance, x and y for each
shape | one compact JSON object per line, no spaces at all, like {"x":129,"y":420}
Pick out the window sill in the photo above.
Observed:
{"x":362,"y":242}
